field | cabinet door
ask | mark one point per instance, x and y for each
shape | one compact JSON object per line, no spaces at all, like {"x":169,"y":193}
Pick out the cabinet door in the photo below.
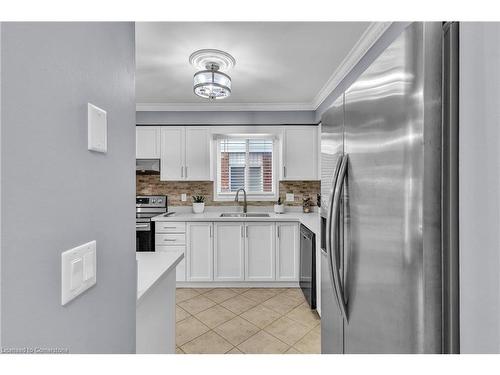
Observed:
{"x":287,"y":251}
{"x":300,"y":153}
{"x":172,"y":154}
{"x":260,"y":246}
{"x":199,"y":257}
{"x":180,"y":270}
{"x":147,"y":142}
{"x":229,"y":245}
{"x":197,"y":165}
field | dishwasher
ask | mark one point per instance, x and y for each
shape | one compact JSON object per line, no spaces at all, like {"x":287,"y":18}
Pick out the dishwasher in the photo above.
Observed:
{"x":307,"y":279}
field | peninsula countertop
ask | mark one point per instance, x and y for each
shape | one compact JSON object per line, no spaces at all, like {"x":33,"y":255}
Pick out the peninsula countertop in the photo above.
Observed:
{"x":152,"y":267}
{"x":310,"y":220}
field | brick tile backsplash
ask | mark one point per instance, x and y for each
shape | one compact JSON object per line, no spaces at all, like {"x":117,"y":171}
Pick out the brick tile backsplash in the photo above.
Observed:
{"x":151,"y":185}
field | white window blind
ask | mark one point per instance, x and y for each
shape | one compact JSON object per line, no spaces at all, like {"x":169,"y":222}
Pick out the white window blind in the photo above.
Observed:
{"x":245,"y":163}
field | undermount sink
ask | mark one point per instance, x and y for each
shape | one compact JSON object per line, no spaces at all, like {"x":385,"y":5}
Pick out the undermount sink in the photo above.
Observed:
{"x":239,"y":214}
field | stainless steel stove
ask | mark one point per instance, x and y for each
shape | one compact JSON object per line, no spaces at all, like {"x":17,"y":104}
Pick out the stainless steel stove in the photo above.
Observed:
{"x":147,"y":206}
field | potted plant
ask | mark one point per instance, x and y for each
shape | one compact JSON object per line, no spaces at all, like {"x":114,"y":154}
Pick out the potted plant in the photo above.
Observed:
{"x":279,"y":207}
{"x":198,"y":204}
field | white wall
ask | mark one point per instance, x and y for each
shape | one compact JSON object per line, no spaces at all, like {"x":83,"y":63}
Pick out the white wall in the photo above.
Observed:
{"x":479,"y":185}
{"x":56,"y":194}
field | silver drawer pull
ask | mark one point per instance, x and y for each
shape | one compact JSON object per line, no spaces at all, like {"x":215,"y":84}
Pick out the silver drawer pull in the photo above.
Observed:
{"x":169,"y":239}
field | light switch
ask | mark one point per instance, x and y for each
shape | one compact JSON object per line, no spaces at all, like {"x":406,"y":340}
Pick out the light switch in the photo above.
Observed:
{"x":78,"y":270}
{"x":97,"y":128}
{"x":88,"y":266}
{"x":290,"y":197}
{"x":76,"y":273}
{"x":183,"y":197}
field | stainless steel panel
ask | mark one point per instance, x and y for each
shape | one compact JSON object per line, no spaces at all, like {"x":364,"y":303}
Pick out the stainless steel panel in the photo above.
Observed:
{"x":332,"y":148}
{"x":451,"y":319}
{"x":332,"y":329}
{"x":392,"y":252}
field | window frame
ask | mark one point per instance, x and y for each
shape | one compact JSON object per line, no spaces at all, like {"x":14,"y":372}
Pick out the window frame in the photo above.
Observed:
{"x":251,"y":196}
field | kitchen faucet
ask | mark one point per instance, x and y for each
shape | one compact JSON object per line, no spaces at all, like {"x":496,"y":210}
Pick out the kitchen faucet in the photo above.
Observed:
{"x":245,"y":199}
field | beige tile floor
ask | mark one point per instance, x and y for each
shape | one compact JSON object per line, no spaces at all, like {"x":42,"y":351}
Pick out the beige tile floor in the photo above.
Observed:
{"x":243,"y":320}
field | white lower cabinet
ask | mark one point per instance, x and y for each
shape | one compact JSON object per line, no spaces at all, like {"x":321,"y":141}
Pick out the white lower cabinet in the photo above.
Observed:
{"x":233,"y":251}
{"x":180,"y":271}
{"x":199,"y":251}
{"x":260,"y":245}
{"x":229,"y":251}
{"x":287,"y":252}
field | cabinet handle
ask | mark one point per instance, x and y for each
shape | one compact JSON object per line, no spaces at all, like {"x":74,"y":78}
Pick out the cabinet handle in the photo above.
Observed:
{"x":284,"y":171}
{"x":278,"y":231}
{"x":186,"y":169}
{"x":169,"y":239}
{"x":246,"y":231}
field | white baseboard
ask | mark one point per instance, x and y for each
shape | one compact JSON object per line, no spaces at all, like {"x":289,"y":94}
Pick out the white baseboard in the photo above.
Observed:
{"x":236,"y":284}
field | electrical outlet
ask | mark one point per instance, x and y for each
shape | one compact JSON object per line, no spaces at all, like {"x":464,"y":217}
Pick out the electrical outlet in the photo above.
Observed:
{"x":290,"y":197}
{"x":183,"y":197}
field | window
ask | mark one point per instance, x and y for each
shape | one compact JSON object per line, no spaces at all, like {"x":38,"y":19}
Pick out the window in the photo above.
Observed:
{"x":245,"y":163}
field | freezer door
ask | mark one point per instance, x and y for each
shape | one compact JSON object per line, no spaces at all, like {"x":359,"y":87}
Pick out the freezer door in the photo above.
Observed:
{"x":392,"y":250}
{"x":332,"y":146}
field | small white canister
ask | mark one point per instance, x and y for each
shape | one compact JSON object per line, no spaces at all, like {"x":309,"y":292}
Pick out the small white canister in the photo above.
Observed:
{"x":279,"y":208}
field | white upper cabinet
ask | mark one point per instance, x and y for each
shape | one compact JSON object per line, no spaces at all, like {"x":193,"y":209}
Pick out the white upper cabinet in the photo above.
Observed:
{"x":300,"y":153}
{"x":199,"y":251}
{"x":197,"y":162}
{"x":172,"y":154}
{"x":147,"y":142}
{"x":287,"y":251}
{"x":229,"y":251}
{"x":185,"y":154}
{"x":260,"y":251}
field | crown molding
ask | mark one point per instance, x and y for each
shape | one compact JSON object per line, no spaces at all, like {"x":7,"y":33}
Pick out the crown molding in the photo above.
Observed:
{"x":364,"y":43}
{"x":373,"y":32}
{"x":222,"y":107}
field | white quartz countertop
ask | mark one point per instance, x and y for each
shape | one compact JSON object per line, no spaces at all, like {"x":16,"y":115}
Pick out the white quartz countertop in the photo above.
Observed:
{"x":153,"y":266}
{"x":310,"y":220}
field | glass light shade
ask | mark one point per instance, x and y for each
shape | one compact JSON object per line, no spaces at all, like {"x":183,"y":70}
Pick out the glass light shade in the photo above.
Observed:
{"x":211,"y":84}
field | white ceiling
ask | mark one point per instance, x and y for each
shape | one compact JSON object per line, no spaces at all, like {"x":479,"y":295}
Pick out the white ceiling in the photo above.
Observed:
{"x":279,"y":65}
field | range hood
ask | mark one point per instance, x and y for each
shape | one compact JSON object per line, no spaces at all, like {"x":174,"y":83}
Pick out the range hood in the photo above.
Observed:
{"x":147,"y":166}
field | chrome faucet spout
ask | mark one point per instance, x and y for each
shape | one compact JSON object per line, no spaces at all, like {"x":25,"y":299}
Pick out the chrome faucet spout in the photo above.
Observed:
{"x":244,"y":198}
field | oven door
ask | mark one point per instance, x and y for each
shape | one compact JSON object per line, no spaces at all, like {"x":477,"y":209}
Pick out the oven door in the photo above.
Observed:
{"x":144,"y":237}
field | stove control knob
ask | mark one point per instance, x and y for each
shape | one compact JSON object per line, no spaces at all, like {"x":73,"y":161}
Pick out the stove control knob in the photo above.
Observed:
{"x":153,"y":200}
{"x":159,"y":201}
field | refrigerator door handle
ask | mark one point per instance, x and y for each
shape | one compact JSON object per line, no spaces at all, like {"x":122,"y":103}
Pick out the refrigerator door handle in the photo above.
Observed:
{"x":328,"y":239}
{"x":335,"y":226}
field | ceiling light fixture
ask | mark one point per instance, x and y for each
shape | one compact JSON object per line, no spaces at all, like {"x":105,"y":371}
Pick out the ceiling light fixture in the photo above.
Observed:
{"x":210,"y":82}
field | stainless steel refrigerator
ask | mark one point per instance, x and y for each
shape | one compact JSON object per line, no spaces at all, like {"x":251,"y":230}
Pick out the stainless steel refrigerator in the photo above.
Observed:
{"x":388,"y":194}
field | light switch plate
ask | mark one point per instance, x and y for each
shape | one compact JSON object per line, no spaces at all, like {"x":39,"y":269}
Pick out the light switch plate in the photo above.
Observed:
{"x":97,"y":129}
{"x":183,"y":197}
{"x":78,"y":271}
{"x":290,"y":197}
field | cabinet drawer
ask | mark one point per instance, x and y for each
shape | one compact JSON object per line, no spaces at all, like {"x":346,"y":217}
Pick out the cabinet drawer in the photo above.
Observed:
{"x":170,"y":239}
{"x":170,"y":227}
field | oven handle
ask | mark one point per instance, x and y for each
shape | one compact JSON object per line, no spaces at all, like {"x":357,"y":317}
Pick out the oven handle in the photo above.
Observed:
{"x":143,"y":227}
